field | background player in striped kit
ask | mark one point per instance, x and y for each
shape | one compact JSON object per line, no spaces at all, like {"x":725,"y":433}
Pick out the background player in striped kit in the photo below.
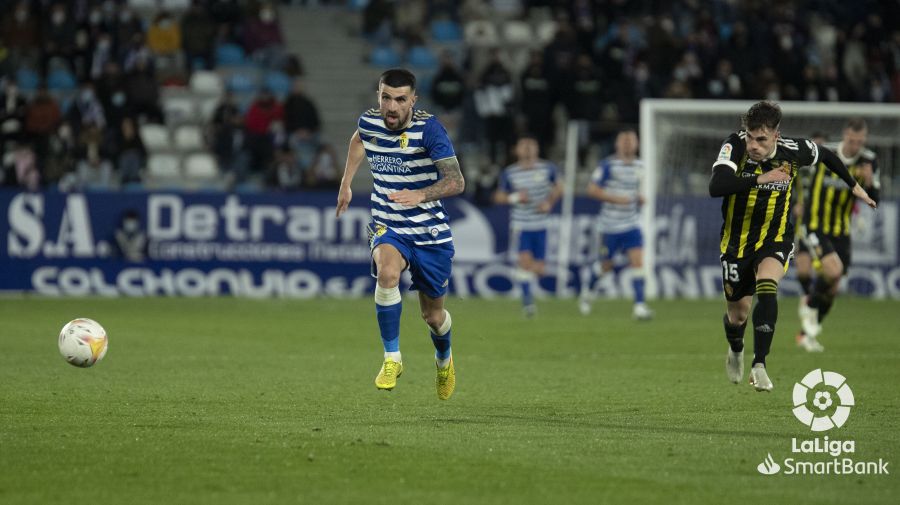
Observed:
{"x":754,"y":174}
{"x":413,"y":165}
{"x":617,"y":184}
{"x":532,"y":188}
{"x":825,"y":230}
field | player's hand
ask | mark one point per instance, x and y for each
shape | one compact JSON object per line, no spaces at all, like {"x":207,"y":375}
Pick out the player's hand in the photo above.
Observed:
{"x":860,"y":193}
{"x":544,"y":207}
{"x":776,"y":175}
{"x":345,"y":194}
{"x":407,"y":197}
{"x":797,"y":210}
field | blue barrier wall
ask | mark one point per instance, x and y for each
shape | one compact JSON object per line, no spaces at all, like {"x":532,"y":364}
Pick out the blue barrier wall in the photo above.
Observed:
{"x":291,"y":245}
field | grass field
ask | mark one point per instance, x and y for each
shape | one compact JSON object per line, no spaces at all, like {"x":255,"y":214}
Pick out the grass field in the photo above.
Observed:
{"x":235,"y":401}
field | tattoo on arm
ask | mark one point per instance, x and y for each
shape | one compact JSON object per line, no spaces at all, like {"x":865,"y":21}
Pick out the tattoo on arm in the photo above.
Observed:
{"x":451,"y":181}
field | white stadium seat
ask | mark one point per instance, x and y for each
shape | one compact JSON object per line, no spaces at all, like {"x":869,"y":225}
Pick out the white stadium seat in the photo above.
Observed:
{"x":164,"y":167}
{"x":200,"y":166}
{"x":155,"y":137}
{"x":188,"y":138}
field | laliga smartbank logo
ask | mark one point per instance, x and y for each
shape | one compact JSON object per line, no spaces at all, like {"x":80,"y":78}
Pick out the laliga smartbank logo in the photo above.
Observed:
{"x":822,"y":401}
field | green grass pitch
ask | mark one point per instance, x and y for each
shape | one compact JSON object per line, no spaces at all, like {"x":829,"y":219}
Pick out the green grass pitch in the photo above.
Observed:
{"x":224,"y":401}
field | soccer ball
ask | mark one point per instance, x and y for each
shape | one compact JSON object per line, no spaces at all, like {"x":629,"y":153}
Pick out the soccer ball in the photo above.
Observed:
{"x":82,"y":342}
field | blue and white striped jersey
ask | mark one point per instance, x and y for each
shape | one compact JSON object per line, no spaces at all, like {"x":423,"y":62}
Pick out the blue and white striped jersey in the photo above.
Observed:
{"x":404,"y":159}
{"x":621,"y":179}
{"x":538,"y":182}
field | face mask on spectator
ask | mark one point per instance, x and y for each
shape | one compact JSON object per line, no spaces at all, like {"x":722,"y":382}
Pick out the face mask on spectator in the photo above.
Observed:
{"x":81,"y":38}
{"x":130,"y":225}
{"x":95,"y":17}
{"x":125,"y":16}
{"x":267,"y":15}
{"x":87,"y":95}
{"x":59,"y":17}
{"x":165,"y":23}
{"x":103,"y":44}
{"x":118,"y":99}
{"x":21,"y":15}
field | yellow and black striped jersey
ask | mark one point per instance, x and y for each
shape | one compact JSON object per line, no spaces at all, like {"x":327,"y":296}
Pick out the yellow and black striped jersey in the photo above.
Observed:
{"x":760,"y":215}
{"x":828,"y":202}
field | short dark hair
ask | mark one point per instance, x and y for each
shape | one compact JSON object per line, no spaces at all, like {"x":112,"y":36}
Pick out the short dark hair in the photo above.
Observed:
{"x":856,"y":124}
{"x":763,"y":114}
{"x":397,"y":78}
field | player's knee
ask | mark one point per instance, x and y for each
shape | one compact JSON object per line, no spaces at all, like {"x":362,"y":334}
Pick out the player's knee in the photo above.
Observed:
{"x":433,"y":317}
{"x":388,"y":277}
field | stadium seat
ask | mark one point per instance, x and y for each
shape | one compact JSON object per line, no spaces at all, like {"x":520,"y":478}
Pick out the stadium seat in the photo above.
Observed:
{"x":179,"y":109}
{"x":155,"y":137}
{"x":175,"y":5}
{"x":481,"y":33}
{"x":278,"y":83}
{"x":207,"y":108}
{"x":545,"y":32}
{"x":421,"y":57}
{"x":518,"y":33}
{"x":242,"y":82}
{"x":201,"y":166}
{"x":188,"y":138}
{"x":163,"y":167}
{"x":61,"y":80}
{"x":445,"y":30}
{"x":230,"y":54}
{"x":27,"y":79}
{"x":207,"y":83}
{"x":384,"y":56}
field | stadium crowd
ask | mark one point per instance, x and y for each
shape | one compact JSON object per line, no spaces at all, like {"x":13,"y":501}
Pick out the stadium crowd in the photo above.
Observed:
{"x":82,"y":79}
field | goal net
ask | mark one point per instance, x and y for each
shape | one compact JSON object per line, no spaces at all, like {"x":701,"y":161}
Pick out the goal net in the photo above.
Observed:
{"x":679,"y":142}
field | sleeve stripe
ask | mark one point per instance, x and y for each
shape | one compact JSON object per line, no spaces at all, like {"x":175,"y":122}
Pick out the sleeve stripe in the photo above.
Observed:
{"x":727,"y":163}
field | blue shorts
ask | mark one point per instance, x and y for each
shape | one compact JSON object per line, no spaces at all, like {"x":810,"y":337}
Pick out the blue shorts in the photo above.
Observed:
{"x":615,"y":242}
{"x":535,"y":242}
{"x":428,"y":264}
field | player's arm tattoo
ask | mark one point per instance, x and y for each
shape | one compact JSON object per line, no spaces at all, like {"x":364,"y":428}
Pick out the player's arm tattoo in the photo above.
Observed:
{"x":450,"y":183}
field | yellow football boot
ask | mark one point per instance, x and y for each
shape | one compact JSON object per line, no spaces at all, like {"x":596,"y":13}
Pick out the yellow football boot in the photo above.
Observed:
{"x":446,"y":381}
{"x":387,"y":376}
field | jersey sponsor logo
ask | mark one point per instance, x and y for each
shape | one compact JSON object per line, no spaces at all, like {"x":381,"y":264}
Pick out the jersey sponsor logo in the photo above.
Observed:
{"x":725,"y":152}
{"x":380,"y":230}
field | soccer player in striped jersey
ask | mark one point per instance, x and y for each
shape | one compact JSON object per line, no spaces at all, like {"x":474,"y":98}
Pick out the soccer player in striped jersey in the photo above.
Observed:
{"x":617,"y":184}
{"x":532,"y":188}
{"x":754,"y":174}
{"x":825,"y":233}
{"x":413,"y":165}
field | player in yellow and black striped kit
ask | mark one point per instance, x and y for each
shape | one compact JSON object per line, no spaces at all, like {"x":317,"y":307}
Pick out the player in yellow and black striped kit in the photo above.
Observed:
{"x":754,"y":174}
{"x":825,"y":231}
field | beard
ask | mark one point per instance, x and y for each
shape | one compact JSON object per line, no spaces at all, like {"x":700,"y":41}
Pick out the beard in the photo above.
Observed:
{"x":394,"y":121}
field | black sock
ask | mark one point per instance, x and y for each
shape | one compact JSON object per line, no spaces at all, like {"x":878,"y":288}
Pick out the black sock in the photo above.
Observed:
{"x":820,"y":293}
{"x":764,"y":317}
{"x":805,"y":283}
{"x":734,"y":334}
{"x":825,"y":306}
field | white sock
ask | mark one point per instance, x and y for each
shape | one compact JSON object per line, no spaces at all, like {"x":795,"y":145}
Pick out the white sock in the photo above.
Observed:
{"x":394,"y":356}
{"x":442,"y":363}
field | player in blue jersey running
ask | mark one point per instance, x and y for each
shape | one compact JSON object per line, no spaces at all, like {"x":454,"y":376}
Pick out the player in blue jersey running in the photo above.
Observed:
{"x":617,"y":184}
{"x":413,"y":165}
{"x":531,"y":187}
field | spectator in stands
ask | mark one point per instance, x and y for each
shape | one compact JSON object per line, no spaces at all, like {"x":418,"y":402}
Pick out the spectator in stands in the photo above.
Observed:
{"x":137,"y":51}
{"x":127,"y":25}
{"x":263,"y":39}
{"x":199,"y":36}
{"x":539,"y":97}
{"x":103,"y":53}
{"x":27,"y":174}
{"x":727,"y":84}
{"x":293,"y":67}
{"x":60,"y":159}
{"x":228,"y":16}
{"x":12,"y":114}
{"x":142,"y":92}
{"x":21,"y":32}
{"x":324,"y":172}
{"x":42,"y":117}
{"x":301,"y":122}
{"x":377,"y":19}
{"x":93,"y":169}
{"x":228,"y":139}
{"x":131,"y":153}
{"x":164,"y":41}
{"x":493,"y":101}
{"x":131,"y":240}
{"x":58,"y":37}
{"x":448,"y":89}
{"x":263,"y":116}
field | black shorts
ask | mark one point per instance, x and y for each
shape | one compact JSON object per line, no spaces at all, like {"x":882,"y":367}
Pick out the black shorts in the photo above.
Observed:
{"x":819,"y":245}
{"x":739,"y":274}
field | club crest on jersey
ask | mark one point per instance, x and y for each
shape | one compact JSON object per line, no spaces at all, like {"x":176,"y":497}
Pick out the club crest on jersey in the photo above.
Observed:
{"x":728,"y":289}
{"x":404,"y":140}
